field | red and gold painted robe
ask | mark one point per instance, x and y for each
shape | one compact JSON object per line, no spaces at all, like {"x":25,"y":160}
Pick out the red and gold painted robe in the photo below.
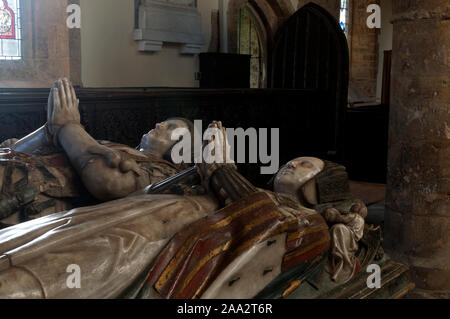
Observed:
{"x":198,"y":253}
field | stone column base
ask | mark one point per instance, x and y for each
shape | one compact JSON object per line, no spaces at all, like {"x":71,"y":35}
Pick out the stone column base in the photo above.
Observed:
{"x":432,"y":280}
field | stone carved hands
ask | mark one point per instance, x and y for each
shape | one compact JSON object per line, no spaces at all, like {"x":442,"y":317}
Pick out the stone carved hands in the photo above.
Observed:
{"x":216,"y":151}
{"x":62,"y":110}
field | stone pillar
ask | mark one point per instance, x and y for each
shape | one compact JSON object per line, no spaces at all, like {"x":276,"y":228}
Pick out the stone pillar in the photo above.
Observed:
{"x":417,"y":229}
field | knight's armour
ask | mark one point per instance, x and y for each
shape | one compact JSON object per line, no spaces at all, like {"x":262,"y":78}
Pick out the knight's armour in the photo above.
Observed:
{"x":43,"y":183}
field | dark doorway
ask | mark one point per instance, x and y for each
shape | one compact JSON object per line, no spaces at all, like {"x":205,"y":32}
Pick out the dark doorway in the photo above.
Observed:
{"x":310,"y":52}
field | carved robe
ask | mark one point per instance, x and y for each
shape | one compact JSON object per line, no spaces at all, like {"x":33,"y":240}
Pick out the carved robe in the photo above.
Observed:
{"x":115,"y":243}
{"x":343,"y":263}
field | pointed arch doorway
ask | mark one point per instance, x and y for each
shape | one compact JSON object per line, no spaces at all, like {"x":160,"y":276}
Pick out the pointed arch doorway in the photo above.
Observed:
{"x":310,"y":52}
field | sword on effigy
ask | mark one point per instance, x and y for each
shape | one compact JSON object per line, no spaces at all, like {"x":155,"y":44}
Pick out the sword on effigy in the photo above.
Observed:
{"x":189,"y":176}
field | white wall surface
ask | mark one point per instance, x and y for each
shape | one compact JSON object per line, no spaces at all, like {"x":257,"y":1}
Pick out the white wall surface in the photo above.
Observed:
{"x":110,"y":56}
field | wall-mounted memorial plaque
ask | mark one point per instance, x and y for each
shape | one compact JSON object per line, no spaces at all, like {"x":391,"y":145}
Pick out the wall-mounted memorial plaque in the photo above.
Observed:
{"x":172,"y":21}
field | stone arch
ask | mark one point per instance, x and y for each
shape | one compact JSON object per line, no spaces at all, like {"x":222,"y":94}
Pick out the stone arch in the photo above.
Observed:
{"x":270,"y":13}
{"x":332,"y":6}
{"x":283,"y":8}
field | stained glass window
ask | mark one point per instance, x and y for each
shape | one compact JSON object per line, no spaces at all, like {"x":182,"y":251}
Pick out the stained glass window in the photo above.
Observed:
{"x":250,"y":43}
{"x":345,"y":16}
{"x":10,"y":30}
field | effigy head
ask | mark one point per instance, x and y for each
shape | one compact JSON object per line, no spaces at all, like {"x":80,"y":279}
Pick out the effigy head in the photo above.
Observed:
{"x":297,"y":177}
{"x":360,"y":209}
{"x":159,"y":140}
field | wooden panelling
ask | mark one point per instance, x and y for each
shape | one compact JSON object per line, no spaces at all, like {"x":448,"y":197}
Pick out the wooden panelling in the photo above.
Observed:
{"x":123,"y":115}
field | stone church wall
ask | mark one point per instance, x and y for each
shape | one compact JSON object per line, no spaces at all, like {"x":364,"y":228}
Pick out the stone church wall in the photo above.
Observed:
{"x":49,"y":49}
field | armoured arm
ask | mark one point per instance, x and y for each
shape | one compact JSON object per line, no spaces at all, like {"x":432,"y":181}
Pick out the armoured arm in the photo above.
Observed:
{"x":223,"y":178}
{"x":31,"y":142}
{"x":103,"y":171}
{"x":35,"y":140}
{"x":230,"y":186}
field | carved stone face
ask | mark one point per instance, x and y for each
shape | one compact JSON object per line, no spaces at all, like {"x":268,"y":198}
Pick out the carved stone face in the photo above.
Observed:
{"x":298,"y":175}
{"x":158,"y":141}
